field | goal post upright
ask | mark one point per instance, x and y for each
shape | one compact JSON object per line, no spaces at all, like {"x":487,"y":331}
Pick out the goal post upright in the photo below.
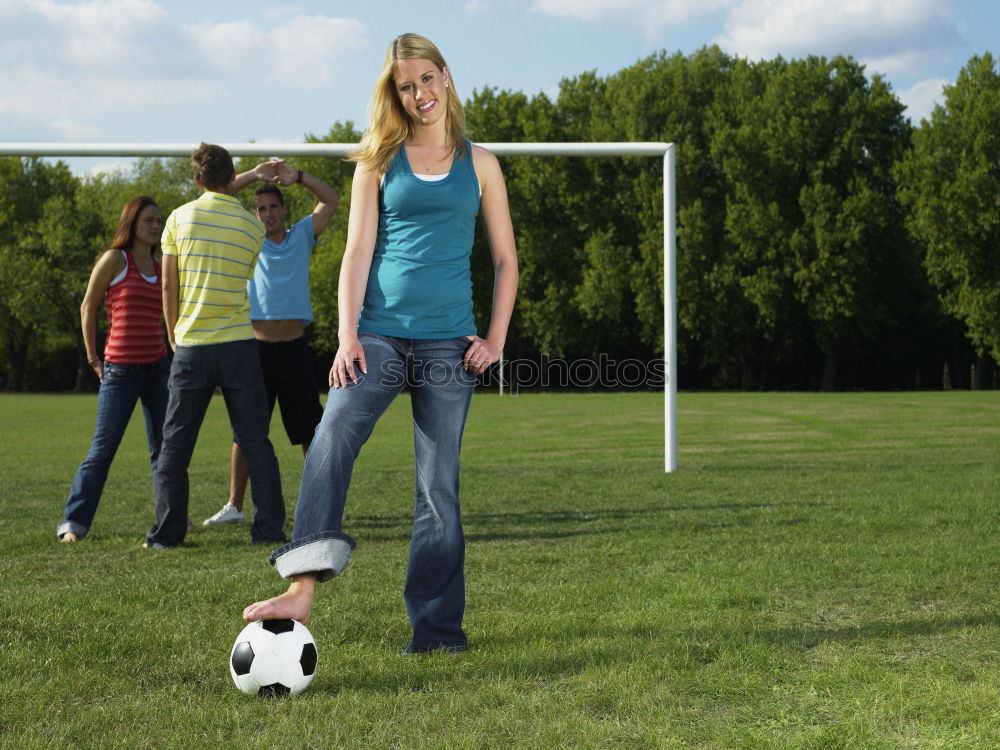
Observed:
{"x":669,"y":311}
{"x":648,"y":149}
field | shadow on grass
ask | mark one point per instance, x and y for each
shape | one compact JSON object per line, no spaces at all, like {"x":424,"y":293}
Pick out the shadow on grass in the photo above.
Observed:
{"x":544,"y":524}
{"x":524,"y":662}
{"x":811,"y":637}
{"x":517,"y":526}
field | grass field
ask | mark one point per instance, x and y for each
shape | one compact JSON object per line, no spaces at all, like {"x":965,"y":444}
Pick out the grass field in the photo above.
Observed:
{"x":820,"y":573}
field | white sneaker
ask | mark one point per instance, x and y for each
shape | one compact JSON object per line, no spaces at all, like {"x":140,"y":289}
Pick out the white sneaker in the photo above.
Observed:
{"x":228,"y":514}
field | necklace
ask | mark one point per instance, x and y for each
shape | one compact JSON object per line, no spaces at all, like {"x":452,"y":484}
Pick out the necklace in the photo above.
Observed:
{"x":430,"y":166}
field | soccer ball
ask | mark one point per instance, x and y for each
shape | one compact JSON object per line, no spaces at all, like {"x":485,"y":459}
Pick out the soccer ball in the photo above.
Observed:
{"x":273,"y":658}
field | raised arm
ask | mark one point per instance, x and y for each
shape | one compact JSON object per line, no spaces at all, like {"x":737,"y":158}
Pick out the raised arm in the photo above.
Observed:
{"x":500,"y":232}
{"x":107,"y":267}
{"x":266,"y":171}
{"x":362,"y":230}
{"x":326,"y":196}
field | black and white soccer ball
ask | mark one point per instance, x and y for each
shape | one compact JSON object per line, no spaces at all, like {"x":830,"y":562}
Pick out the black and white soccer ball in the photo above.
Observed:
{"x":273,"y":658}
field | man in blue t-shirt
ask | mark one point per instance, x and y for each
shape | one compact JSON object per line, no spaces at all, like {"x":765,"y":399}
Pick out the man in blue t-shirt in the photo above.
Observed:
{"x":280,"y":308}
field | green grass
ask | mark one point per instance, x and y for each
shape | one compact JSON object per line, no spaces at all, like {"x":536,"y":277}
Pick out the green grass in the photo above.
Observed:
{"x":820,"y":573}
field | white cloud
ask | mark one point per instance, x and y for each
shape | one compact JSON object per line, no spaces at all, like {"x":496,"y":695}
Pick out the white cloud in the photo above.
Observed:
{"x":651,"y":14}
{"x":302,"y":52}
{"x":109,"y":168}
{"x":110,"y":16}
{"x":75,"y":65}
{"x":474,"y":7}
{"x":104,"y":34}
{"x":922,"y":96}
{"x":94,"y":69}
{"x":901,"y":62}
{"x":72,"y":129}
{"x":70,"y":107}
{"x":894,"y":34}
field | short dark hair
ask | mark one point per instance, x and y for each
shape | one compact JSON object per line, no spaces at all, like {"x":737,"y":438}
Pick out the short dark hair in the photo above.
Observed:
{"x":212,"y":166}
{"x":270,"y":187}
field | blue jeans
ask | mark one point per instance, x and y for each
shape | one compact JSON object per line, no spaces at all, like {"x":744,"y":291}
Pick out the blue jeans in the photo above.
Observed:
{"x":196,"y":371}
{"x":441,"y":390}
{"x":121,"y":387}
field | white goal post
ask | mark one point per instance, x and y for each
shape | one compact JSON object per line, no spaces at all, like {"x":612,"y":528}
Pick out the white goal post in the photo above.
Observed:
{"x":663,"y":150}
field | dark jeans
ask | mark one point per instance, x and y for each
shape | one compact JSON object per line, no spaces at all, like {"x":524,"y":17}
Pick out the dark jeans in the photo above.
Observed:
{"x":194,"y":375}
{"x":121,"y":387}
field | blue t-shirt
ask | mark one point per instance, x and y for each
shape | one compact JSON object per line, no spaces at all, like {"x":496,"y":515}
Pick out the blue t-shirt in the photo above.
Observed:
{"x":420,"y":284}
{"x":279,"y":289}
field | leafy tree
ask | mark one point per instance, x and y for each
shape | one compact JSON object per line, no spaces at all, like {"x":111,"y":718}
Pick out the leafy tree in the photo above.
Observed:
{"x":36,"y":276}
{"x":812,"y":208}
{"x":168,"y":181}
{"x":67,"y":238}
{"x":499,"y":116}
{"x":677,"y":99}
{"x":950,"y":182}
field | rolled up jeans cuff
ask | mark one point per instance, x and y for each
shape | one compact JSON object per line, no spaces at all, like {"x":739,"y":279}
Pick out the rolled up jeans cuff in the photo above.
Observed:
{"x":325,"y":555}
{"x":73,"y":526}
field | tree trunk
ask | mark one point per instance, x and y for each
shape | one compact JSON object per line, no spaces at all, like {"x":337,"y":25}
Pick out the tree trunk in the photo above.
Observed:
{"x":749,"y":376}
{"x":83,"y":373}
{"x":17,"y":360}
{"x":829,"y":383}
{"x":984,"y":373}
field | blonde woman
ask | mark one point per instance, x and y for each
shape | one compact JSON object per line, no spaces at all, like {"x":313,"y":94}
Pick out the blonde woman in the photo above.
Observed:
{"x":405,"y":305}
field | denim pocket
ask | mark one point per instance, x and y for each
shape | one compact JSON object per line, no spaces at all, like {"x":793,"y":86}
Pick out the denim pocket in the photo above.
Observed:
{"x":111,"y":370}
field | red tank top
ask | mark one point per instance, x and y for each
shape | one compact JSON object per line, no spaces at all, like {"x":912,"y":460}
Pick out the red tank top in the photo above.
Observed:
{"x":135,"y":306}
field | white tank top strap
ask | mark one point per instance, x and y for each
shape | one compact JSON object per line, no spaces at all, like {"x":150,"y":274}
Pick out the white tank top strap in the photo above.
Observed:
{"x":121,"y":277}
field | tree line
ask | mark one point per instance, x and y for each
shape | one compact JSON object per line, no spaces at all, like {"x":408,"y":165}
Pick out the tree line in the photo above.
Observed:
{"x":823,"y":240}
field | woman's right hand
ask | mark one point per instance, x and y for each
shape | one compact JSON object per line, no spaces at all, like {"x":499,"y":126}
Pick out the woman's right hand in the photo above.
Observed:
{"x":98,"y":367}
{"x":349,"y":354}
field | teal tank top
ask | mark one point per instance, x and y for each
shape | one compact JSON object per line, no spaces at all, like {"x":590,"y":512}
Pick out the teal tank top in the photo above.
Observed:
{"x":420,"y":284}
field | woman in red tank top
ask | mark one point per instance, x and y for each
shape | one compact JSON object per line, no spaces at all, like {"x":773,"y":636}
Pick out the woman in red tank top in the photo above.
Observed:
{"x":135,"y":365}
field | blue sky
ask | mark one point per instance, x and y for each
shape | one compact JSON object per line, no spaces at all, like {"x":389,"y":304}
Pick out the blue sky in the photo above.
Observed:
{"x":232,"y":71}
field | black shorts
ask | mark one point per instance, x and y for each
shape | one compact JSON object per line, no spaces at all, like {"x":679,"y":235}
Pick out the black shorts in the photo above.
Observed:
{"x":290,"y":379}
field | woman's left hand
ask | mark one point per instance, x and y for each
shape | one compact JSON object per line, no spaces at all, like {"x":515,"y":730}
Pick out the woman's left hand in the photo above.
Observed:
{"x":480,"y":355}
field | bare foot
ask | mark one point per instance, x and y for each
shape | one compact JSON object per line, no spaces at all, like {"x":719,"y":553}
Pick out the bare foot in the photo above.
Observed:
{"x":294,"y":604}
{"x":69,"y":536}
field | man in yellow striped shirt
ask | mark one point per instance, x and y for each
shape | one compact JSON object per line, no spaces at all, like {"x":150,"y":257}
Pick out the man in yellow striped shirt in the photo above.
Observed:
{"x":210,"y":247}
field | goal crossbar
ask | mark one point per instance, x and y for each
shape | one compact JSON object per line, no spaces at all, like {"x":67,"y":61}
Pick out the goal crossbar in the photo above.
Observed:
{"x":647,"y":149}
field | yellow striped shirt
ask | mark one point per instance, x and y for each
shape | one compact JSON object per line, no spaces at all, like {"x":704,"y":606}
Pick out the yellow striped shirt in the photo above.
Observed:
{"x":216,"y":242}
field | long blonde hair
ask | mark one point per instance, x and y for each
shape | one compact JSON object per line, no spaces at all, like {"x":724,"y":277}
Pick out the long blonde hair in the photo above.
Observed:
{"x":388,"y":124}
